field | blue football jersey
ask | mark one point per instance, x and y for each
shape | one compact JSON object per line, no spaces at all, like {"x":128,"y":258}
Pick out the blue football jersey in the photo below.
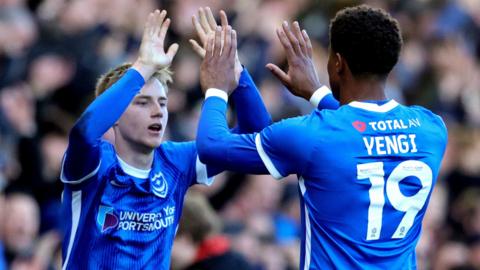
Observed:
{"x":119,"y":217}
{"x":366,"y":172}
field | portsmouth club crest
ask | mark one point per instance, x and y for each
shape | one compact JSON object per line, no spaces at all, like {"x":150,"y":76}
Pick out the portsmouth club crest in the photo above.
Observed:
{"x":106,"y":218}
{"x":159,"y":185}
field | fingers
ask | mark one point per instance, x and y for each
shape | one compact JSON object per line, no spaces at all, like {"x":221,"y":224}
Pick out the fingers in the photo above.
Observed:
{"x":158,"y":18}
{"x":223,"y":18}
{"x":163,"y":31}
{"x":227,"y":40}
{"x":209,"y":48}
{"x":233,"y":48}
{"x":204,"y":21}
{"x":291,"y":37}
{"x":218,"y":41}
{"x":198,"y":28}
{"x":197,"y":48}
{"x":210,"y":19}
{"x":286,"y":44}
{"x":172,"y":51}
{"x":308,"y":43}
{"x":298,"y":35}
{"x":280,"y":74}
{"x":148,"y":25}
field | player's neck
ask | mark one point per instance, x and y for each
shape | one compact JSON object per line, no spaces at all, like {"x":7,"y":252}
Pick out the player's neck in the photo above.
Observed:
{"x":134,"y":157}
{"x":362,"y":89}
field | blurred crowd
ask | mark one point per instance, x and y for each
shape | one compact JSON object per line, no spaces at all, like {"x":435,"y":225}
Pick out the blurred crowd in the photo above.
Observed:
{"x":52,"y":51}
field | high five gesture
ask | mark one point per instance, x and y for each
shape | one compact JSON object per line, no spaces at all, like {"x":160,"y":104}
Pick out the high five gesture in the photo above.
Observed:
{"x":152,"y":55}
{"x":301,"y":78}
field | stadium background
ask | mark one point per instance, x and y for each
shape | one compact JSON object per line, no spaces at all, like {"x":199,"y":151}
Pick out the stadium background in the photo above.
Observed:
{"x":52,"y":51}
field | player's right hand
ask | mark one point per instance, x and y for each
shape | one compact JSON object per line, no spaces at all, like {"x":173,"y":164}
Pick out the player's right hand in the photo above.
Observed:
{"x":152,"y":55}
{"x":218,"y":65}
{"x":301,"y":79}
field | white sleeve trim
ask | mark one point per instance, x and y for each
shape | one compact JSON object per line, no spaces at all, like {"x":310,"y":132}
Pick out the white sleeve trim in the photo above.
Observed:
{"x":202,"y":176}
{"x":81,"y":180}
{"x":266,"y":159}
{"x":214,"y":92}
{"x":319,"y":94}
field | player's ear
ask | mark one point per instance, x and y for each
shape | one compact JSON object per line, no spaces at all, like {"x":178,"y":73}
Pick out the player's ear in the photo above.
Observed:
{"x":339,"y":63}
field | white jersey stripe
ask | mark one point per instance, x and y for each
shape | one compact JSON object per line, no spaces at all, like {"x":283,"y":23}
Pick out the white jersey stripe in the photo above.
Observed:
{"x":201,"y":172}
{"x":374,"y":107}
{"x":308,"y":234}
{"x":79,"y":181}
{"x":76,"y":211}
{"x":266,"y":160}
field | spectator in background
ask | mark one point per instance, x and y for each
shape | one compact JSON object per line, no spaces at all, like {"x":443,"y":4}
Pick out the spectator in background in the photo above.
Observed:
{"x":20,"y":232}
{"x":199,"y":236}
{"x":18,"y":32}
{"x":22,"y":223}
{"x":3,"y":261}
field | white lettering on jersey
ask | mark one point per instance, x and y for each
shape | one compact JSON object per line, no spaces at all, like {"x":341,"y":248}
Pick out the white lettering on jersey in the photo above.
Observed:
{"x":393,"y":144}
{"x":137,"y":221}
{"x":395,"y":124}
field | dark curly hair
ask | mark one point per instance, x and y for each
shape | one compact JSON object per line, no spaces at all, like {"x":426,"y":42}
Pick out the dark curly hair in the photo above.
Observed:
{"x":368,"y":38}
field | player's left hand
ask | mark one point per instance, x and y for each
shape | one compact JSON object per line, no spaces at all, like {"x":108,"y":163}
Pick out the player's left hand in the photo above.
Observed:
{"x":218,"y":65}
{"x":301,"y":78}
{"x":205,"y":25}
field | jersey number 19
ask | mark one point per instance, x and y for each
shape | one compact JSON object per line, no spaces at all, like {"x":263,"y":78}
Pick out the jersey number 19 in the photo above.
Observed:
{"x":410,"y":205}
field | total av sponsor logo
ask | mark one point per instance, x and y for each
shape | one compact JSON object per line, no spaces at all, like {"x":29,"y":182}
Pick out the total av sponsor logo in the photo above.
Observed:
{"x":110,"y":219}
{"x":387,"y":125}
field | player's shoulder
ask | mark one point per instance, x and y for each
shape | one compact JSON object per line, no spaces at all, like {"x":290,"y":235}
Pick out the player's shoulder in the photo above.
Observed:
{"x":177,"y":153}
{"x":300,"y":125}
{"x":106,"y":161}
{"x":108,"y":156}
{"x":170,"y":147}
{"x":428,"y":116}
{"x":107,"y":151}
{"x":326,"y":114}
{"x":326,"y":119}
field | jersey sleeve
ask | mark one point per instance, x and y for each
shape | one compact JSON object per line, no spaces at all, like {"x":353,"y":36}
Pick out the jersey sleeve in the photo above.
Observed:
{"x":82,"y":158}
{"x":184,"y":156}
{"x":285,"y":147}
{"x":277,"y":150}
{"x":252,"y":114}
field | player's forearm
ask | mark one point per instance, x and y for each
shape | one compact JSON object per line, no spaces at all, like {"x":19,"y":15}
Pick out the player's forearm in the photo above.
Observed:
{"x":107,"y":108}
{"x":212,"y":126}
{"x":217,"y":146}
{"x":252,"y":114}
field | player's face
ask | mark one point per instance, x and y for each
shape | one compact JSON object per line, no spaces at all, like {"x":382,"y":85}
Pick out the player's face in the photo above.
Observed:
{"x":333,"y":76}
{"x":143,"y":123}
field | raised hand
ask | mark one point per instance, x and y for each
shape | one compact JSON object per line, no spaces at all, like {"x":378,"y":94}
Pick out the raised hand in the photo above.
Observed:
{"x":218,"y":65}
{"x":152,"y":55}
{"x":301,"y":78}
{"x":205,"y":25}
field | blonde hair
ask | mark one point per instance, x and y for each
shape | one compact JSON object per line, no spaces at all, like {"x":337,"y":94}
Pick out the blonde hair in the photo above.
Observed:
{"x":164,"y":76}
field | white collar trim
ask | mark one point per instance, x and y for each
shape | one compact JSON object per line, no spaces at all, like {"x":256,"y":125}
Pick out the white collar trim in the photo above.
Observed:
{"x":132,"y":171}
{"x":375,"y":107}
